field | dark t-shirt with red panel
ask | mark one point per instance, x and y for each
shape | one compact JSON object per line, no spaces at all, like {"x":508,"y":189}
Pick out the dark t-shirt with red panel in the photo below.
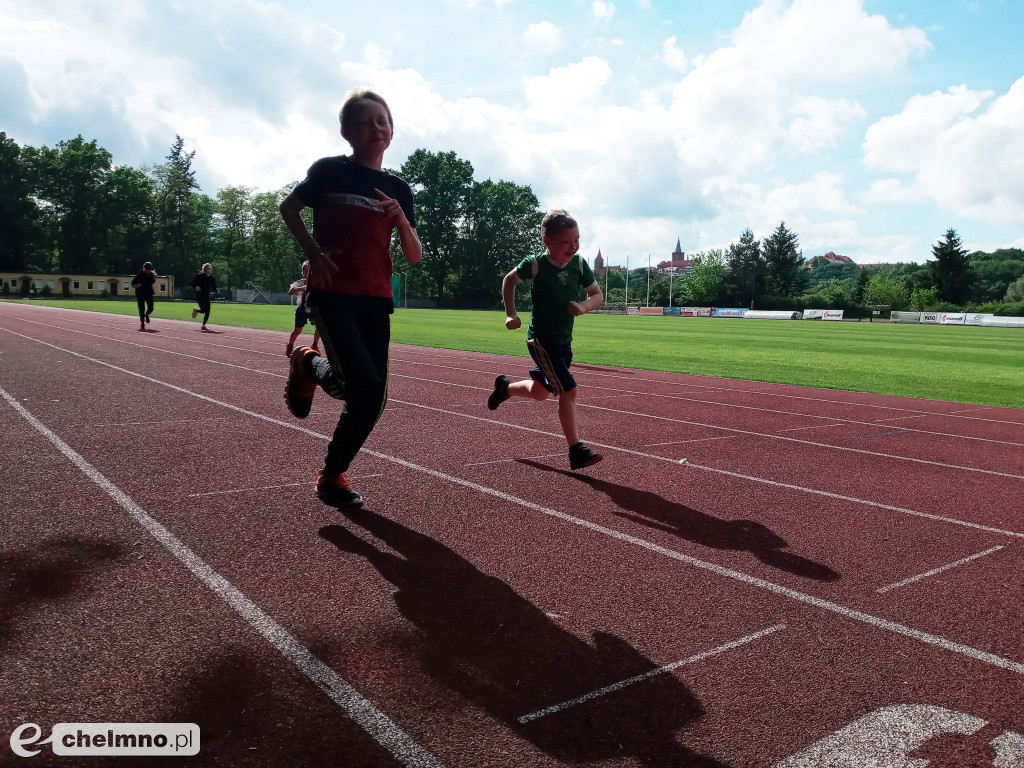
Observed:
{"x":352,"y":231}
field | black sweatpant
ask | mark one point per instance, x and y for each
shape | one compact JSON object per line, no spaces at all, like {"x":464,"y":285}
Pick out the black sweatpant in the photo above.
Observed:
{"x":145,"y":307}
{"x":203,"y":300}
{"x":356,"y":333}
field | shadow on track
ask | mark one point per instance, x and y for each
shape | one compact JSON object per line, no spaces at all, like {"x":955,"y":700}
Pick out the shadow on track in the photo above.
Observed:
{"x":602,"y":369}
{"x":484,"y":641}
{"x":51,"y":571}
{"x":657,"y":512}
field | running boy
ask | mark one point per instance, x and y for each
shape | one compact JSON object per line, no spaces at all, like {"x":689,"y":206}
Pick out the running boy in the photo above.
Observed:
{"x":356,"y":205}
{"x":204,"y":285}
{"x":298,"y":288}
{"x":143,"y":285}
{"x":558,"y":277}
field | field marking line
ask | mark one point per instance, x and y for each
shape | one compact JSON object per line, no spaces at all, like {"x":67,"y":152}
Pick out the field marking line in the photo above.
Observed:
{"x":271,"y":487}
{"x":764,"y":393}
{"x":816,"y":426}
{"x":698,"y":440}
{"x":514,"y":458}
{"x":635,"y":393}
{"x":934,"y":571}
{"x":383,"y":730}
{"x":829,"y":446}
{"x":648,"y":675}
{"x":512,"y":425}
{"x":154,"y":423}
{"x":719,"y":570}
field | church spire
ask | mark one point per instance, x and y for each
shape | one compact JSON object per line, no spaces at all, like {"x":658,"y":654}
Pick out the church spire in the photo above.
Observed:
{"x":679,"y":248}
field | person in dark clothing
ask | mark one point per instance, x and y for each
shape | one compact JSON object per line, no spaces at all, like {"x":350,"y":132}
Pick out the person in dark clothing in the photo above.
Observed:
{"x":143,"y":285}
{"x":204,"y":285}
{"x":356,"y":208}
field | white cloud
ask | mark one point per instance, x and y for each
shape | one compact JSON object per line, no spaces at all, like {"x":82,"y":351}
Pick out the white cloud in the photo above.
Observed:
{"x":970,"y":164}
{"x":543,"y":35}
{"x":889,"y":192}
{"x":819,"y":122}
{"x":673,"y":56}
{"x":603,"y":11}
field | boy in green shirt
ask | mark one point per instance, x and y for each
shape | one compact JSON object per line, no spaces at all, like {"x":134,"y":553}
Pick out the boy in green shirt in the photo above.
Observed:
{"x":558,"y":277}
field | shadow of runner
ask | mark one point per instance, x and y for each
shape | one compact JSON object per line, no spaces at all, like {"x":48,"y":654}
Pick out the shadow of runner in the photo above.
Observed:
{"x":484,"y":641}
{"x":657,"y":512}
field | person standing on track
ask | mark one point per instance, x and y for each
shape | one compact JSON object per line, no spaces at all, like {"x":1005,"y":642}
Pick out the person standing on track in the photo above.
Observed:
{"x":559,"y":276}
{"x":298,"y":288}
{"x":204,"y":285}
{"x":356,"y":206}
{"x":143,"y":285}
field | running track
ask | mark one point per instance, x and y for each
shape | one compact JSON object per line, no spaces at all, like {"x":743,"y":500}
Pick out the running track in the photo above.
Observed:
{"x":835,"y":580}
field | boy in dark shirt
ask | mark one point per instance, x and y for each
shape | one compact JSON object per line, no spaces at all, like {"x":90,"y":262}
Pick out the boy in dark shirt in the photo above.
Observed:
{"x":143,"y":285}
{"x":356,"y":206}
{"x":204,"y":285}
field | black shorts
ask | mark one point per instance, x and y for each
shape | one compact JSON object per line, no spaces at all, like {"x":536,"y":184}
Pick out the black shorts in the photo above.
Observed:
{"x":553,"y":361}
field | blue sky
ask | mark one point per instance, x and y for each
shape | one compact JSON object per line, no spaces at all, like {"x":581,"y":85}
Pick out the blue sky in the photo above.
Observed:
{"x":869,"y":126}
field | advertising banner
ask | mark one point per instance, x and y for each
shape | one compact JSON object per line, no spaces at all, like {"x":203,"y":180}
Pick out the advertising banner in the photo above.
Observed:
{"x":814,"y":314}
{"x":977,"y":318}
{"x":953,"y":318}
{"x":704,"y":311}
{"x":688,"y":311}
{"x":652,"y":311}
{"x":674,"y":311}
{"x":905,"y":317}
{"x":833,"y":314}
{"x":632,"y":310}
{"x":930,"y":317}
{"x":727,"y":312}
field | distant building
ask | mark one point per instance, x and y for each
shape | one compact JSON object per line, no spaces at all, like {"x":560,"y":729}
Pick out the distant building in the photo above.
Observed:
{"x":836,"y":258}
{"x":599,"y":263}
{"x":678,"y":264}
{"x":33,"y":283}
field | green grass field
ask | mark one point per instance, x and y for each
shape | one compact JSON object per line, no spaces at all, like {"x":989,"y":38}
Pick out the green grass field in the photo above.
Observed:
{"x":962,"y":364}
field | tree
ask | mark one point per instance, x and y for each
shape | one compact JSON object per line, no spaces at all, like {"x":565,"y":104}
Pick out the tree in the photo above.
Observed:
{"x":19,"y":214}
{"x":441,"y":184}
{"x":951,"y":269}
{"x":783,"y":264}
{"x":501,"y":226}
{"x":176,"y":211}
{"x":860,"y":287}
{"x":233,"y":229}
{"x":884,"y":289}
{"x":70,"y":178}
{"x":1015,"y":291}
{"x":706,"y":280}
{"x":274,"y":252}
{"x":746,"y":270}
{"x":127,"y":222}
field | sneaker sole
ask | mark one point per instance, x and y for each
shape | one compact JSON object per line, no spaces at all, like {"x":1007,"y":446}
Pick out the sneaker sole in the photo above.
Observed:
{"x":325,"y":498}
{"x":588,"y":463}
{"x":299,"y":401}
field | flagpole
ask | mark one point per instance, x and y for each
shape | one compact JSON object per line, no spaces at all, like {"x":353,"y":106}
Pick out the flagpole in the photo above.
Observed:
{"x":648,"y":279}
{"x":627,"y":282}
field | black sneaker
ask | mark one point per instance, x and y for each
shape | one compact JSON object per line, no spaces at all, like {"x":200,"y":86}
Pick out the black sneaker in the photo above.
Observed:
{"x":147,"y":319}
{"x":500,"y":393}
{"x":580,"y":456}
{"x":336,"y":491}
{"x":300,"y":387}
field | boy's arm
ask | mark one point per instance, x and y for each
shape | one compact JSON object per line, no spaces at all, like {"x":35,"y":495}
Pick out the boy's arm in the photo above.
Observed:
{"x":508,"y":298}
{"x":594,"y":300}
{"x":412,"y":249}
{"x":291,"y":210}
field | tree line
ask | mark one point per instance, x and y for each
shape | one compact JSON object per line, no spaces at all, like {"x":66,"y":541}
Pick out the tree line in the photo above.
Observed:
{"x":70,"y":209}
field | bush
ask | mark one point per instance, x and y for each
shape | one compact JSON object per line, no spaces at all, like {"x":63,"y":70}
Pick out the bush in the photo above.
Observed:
{"x":46,"y":292}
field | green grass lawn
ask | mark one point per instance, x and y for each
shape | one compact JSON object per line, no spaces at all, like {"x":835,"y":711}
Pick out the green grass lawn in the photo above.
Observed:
{"x":963,"y":364}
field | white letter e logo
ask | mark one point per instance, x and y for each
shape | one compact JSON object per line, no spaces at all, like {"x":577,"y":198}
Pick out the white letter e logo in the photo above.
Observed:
{"x":17,"y":741}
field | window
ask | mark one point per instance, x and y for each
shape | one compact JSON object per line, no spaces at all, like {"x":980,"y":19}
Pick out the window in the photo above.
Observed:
{"x":39,"y":284}
{"x":88,"y":285}
{"x":51,"y":284}
{"x":74,"y":284}
{"x":14,"y":282}
{"x":126,"y":286}
{"x":163,"y":287}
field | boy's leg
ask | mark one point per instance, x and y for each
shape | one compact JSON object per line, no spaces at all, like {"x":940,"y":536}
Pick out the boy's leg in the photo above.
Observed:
{"x":204,"y":307}
{"x":149,"y":307}
{"x":567,"y":416}
{"x":141,"y":303}
{"x":356,"y":335}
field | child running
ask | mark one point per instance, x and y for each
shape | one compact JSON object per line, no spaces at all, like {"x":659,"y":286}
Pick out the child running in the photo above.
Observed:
{"x":356,"y":206}
{"x":204,"y":285}
{"x":298,"y":288}
{"x":558,"y":277}
{"x":143,"y":285}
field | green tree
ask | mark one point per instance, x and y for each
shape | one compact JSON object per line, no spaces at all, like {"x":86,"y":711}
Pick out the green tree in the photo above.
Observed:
{"x":501,"y":226}
{"x":887,"y":290}
{"x":951,"y":269}
{"x":860,"y":287}
{"x":127,"y":222}
{"x":993,"y":273}
{"x":276,"y":258}
{"x":179,"y":215}
{"x":746,"y":270}
{"x":706,"y":281}
{"x":1015,"y":291}
{"x":70,"y":179}
{"x":441,"y":184}
{"x":783,"y":264}
{"x":19,"y":234}
{"x":233,"y":226}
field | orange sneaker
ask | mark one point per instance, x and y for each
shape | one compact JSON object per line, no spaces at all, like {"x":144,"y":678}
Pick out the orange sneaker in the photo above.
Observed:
{"x":300,"y":387}
{"x":336,"y":491}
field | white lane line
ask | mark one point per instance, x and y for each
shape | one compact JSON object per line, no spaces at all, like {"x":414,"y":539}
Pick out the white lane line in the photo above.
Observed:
{"x":647,"y":675}
{"x":271,"y":487}
{"x":934,"y":571}
{"x":367,"y":716}
{"x":511,"y":425}
{"x":816,"y":426}
{"x":769,"y":393}
{"x":154,"y":423}
{"x":514,"y":458}
{"x":768,"y":586}
{"x":698,"y":440}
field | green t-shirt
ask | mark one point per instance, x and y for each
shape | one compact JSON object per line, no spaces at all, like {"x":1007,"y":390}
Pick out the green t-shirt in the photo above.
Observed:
{"x":552,"y":290}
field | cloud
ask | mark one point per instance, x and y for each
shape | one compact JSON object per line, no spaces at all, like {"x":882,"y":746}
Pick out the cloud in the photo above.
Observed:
{"x":543,"y":35}
{"x":602,"y":11}
{"x":968,"y":163}
{"x":674,"y":57}
{"x":819,"y":122}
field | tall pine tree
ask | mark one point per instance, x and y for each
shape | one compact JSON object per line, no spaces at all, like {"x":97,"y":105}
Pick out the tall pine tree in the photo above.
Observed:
{"x":951,"y":270}
{"x":784,"y":266}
